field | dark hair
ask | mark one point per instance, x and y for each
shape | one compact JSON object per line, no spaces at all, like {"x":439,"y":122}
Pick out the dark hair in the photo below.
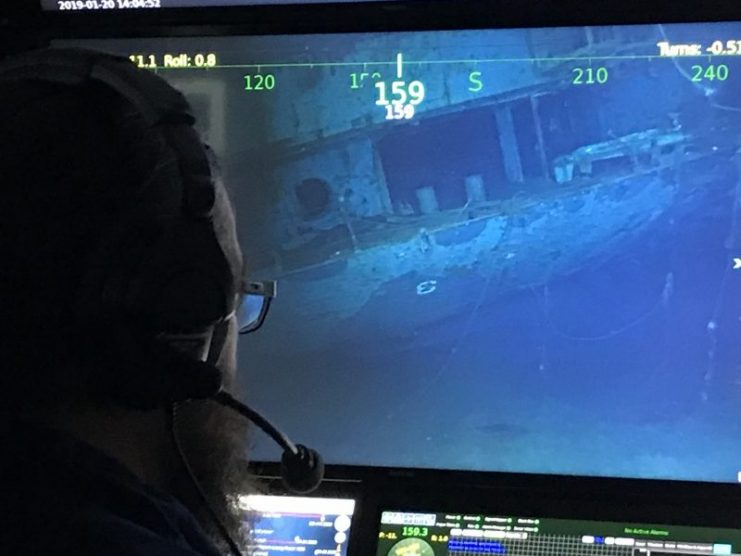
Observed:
{"x":69,"y":160}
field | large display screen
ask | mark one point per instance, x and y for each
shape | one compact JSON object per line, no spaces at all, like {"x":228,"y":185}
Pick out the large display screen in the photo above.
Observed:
{"x":450,"y":534}
{"x":505,"y":250}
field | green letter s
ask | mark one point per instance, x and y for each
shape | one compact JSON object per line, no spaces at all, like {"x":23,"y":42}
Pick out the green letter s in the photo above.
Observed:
{"x":476,"y":83}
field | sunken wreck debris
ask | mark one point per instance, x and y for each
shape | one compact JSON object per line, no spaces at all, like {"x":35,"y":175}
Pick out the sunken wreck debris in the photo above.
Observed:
{"x":500,"y":187}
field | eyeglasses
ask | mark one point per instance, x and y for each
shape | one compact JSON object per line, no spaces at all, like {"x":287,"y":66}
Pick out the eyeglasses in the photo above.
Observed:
{"x":254,"y":304}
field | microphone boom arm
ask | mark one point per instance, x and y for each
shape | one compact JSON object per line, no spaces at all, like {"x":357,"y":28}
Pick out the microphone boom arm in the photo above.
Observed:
{"x":227,"y":400}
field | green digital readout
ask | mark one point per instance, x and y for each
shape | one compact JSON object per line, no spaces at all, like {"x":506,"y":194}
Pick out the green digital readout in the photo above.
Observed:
{"x":414,"y":531}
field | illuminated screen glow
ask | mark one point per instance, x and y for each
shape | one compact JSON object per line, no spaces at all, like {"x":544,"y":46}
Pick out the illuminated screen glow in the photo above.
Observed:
{"x":289,"y":524}
{"x":505,"y":250}
{"x":442,"y":534}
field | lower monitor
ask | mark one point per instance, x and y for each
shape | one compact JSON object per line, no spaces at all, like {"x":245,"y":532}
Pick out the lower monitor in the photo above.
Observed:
{"x":298,"y":525}
{"x":442,"y":534}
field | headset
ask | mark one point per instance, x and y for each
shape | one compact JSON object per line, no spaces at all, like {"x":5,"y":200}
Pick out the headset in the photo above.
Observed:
{"x":164,"y":247}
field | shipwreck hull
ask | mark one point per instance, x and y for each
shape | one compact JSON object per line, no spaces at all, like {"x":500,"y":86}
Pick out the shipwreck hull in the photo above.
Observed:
{"x":396,"y":288}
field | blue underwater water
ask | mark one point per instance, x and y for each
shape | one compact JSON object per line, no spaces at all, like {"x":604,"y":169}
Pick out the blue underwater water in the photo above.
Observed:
{"x":533,"y":272}
{"x":628,"y":367}
{"x":565,"y":348}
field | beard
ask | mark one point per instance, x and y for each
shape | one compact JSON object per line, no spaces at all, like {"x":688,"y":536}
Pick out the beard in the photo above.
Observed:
{"x":214,"y":441}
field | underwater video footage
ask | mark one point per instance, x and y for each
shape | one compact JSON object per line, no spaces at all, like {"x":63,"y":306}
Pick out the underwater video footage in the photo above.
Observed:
{"x":506,"y":250}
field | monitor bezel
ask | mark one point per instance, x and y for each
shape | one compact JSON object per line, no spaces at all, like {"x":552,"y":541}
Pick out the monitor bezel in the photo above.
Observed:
{"x":385,"y":16}
{"x":22,"y":28}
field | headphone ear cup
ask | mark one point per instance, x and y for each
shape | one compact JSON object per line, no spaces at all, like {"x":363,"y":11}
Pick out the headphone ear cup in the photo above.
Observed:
{"x":142,"y":372}
{"x":183,"y":281}
{"x":153,"y":285}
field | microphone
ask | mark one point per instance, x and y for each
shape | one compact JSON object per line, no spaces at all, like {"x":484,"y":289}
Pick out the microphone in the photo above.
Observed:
{"x":302,"y":469}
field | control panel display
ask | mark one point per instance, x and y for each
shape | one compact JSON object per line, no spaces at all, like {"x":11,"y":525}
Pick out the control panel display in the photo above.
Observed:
{"x":298,"y":525}
{"x":443,"y":534}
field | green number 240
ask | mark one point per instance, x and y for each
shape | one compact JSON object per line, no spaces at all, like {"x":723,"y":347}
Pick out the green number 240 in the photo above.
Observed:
{"x":710,"y":73}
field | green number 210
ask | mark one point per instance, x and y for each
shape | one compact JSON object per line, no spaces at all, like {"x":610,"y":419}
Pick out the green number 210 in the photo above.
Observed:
{"x":589,"y":76}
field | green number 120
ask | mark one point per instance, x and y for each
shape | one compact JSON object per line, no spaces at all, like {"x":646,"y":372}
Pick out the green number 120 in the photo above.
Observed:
{"x":259,"y":82}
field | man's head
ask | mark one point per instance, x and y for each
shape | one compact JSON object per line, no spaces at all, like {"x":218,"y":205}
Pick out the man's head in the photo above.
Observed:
{"x":120,"y":264}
